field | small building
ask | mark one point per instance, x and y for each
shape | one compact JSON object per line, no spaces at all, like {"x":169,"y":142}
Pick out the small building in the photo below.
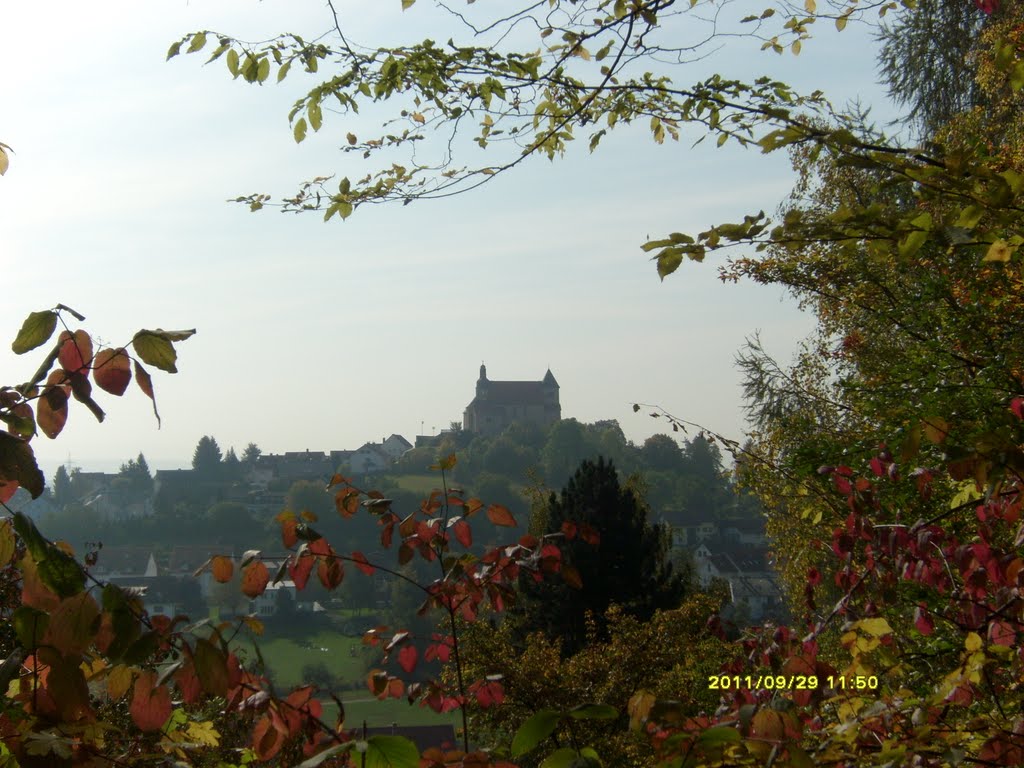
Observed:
{"x":498,"y":404}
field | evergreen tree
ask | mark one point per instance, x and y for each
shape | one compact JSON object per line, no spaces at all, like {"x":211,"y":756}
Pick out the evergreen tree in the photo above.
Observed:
{"x":232,"y":467}
{"x":628,"y":567}
{"x":62,"y":490}
{"x":206,"y":460}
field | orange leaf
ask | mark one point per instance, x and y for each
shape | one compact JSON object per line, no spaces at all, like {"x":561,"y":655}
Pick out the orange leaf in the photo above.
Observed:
{"x":499,"y":515}
{"x":254,"y":579}
{"x":346,"y":501}
{"x":223,"y":569}
{"x":151,"y":704}
{"x":52,"y":408}
{"x":112,"y":370}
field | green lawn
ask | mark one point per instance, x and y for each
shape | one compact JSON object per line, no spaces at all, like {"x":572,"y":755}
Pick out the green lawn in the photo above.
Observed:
{"x":286,"y":658}
{"x":422,"y":484}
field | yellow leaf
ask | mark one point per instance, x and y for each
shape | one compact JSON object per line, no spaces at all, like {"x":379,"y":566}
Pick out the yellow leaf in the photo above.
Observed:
{"x":841,"y":23}
{"x":203,"y":733}
{"x":998,"y":251}
{"x":973,"y":642}
{"x":796,"y":47}
{"x":418,"y":117}
{"x":935,"y":428}
{"x":119,"y":681}
{"x":4,"y":161}
{"x":875,"y":627}
{"x":810,"y":6}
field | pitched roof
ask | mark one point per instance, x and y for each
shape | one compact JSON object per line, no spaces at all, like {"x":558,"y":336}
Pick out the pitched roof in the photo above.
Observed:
{"x":127,"y":560}
{"x":512,"y":393}
{"x":186,"y":558}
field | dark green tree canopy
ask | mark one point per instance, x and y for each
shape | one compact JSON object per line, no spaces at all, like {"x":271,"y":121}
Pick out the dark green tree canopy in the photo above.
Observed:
{"x":206,"y":460}
{"x":628,"y":567}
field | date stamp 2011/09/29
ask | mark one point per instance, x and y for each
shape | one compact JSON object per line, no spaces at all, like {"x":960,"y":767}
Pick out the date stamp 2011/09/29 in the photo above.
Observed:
{"x":792,"y":682}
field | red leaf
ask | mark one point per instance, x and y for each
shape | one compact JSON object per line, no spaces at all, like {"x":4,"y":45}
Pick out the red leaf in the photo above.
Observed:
{"x":254,"y":579}
{"x":499,"y":515}
{"x":346,"y":501}
{"x":489,"y":694}
{"x":299,"y":569}
{"x":112,"y":370}
{"x":590,"y":535}
{"x":463,"y":532}
{"x":288,"y":536}
{"x":407,"y":657}
{"x":145,"y":382}
{"x":569,"y":530}
{"x":151,"y":705}
{"x":987,"y":7}
{"x":267,"y":740}
{"x":362,"y":563}
{"x":75,"y":351}
{"x":330,"y":572}
{"x":923,"y":621}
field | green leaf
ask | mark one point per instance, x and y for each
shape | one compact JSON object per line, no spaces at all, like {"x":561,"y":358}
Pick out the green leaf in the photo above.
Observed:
{"x":391,"y":752}
{"x":669,"y":261}
{"x":299,"y":131}
{"x":154,"y":348}
{"x":594,"y":712}
{"x":561,"y":758}
{"x":29,"y":626}
{"x":531,"y":733}
{"x":174,"y":50}
{"x":407,"y":4}
{"x":198,"y":41}
{"x":61,"y":573}
{"x":719,"y":735}
{"x":283,"y":71}
{"x":263,"y":70}
{"x":232,"y":61}
{"x":35,"y":331}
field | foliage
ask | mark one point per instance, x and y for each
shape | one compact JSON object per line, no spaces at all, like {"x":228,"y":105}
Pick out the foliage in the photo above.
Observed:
{"x":613,"y":555}
{"x":671,"y":654}
{"x":206,"y":459}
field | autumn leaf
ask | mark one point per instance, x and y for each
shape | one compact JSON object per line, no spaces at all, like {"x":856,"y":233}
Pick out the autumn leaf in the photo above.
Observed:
{"x":223,"y":568}
{"x":254,"y":579}
{"x":407,"y":657}
{"x":499,"y":515}
{"x":112,"y":370}
{"x":151,"y":704}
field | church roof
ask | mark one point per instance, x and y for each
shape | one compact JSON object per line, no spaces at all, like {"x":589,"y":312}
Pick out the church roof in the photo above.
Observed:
{"x":513,"y":393}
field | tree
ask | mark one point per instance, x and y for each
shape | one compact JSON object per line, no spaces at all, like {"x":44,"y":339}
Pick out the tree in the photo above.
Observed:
{"x":617,"y":555}
{"x":206,"y":459}
{"x":251,"y":454}
{"x":230,"y":522}
{"x":662,"y":453}
{"x":62,"y":491}
{"x":231,"y":467}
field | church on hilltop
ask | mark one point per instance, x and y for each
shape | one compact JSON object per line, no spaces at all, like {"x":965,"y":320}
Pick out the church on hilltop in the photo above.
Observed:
{"x":499,"y":403}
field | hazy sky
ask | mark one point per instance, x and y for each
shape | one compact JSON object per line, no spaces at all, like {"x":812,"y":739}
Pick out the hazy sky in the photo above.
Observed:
{"x":325,"y":336}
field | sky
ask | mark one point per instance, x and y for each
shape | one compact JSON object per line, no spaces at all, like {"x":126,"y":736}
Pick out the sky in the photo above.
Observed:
{"x":325,"y":336}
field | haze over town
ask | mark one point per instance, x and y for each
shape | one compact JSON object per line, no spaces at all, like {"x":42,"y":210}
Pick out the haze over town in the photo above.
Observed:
{"x":328,"y":336}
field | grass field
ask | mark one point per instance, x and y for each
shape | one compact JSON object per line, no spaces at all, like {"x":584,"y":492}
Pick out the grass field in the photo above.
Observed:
{"x":286,"y":657}
{"x":422,"y":484}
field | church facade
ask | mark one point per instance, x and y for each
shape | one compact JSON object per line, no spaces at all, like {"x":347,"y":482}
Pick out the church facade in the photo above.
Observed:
{"x":500,"y":403}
